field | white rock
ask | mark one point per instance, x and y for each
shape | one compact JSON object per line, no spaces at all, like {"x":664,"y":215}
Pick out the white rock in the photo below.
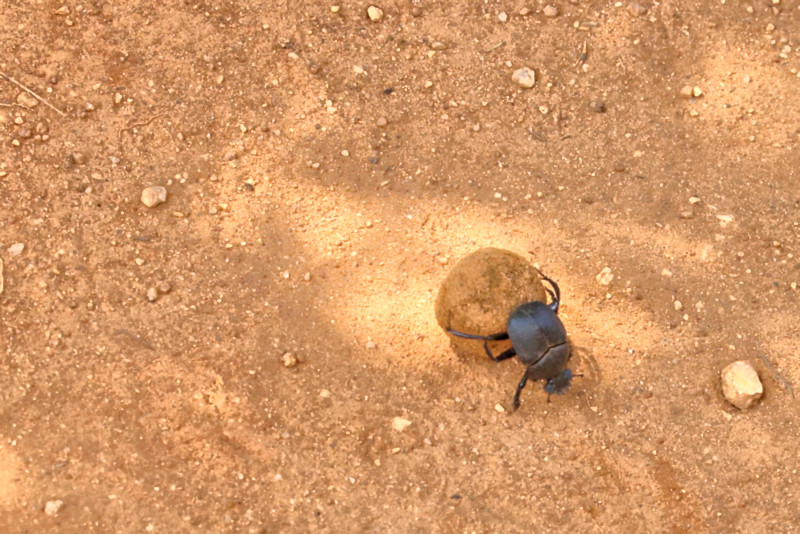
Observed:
{"x":525,"y":77}
{"x":289,"y":360}
{"x":152,"y":294}
{"x":550,"y":11}
{"x":499,"y":408}
{"x":25,"y":99}
{"x":375,"y":13}
{"x":16,"y":249}
{"x":154,"y":195}
{"x":724,"y":220}
{"x":52,"y":507}
{"x":741,"y":385}
{"x":604,"y":277}
{"x":399,"y":424}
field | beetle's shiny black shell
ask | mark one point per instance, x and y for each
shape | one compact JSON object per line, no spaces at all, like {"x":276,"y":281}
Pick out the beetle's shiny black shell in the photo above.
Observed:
{"x":539,"y":338}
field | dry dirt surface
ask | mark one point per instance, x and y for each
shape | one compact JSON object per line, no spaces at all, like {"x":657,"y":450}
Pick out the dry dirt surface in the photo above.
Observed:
{"x":324,"y":171}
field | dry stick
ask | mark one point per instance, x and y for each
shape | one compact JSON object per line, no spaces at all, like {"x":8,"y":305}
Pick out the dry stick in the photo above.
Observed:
{"x":30,"y":91}
{"x":137,"y":124}
{"x":786,"y":385}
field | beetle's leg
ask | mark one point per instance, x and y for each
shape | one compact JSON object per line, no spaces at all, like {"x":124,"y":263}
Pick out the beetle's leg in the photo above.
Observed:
{"x":554,"y":304}
{"x":503,"y":355}
{"x":490,"y":337}
{"x":521,"y":385}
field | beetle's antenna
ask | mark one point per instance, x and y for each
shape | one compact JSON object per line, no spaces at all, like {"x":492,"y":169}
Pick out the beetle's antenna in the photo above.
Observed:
{"x":557,"y":298}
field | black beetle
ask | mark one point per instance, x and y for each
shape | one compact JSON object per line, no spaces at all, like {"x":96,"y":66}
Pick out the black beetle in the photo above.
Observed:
{"x":539,"y":340}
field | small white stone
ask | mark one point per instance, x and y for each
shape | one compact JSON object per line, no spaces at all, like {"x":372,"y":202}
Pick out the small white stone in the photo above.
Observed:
{"x":289,"y":360}
{"x":502,"y":16}
{"x":370,"y":345}
{"x":694,"y":200}
{"x":499,"y":408}
{"x":524,"y":77}
{"x":154,"y":195}
{"x":26,"y":100}
{"x":399,"y":424}
{"x":152,"y":294}
{"x":16,"y":249}
{"x":375,"y":13}
{"x":686,"y":91}
{"x":697,"y":92}
{"x":604,"y":277}
{"x":52,"y":507}
{"x":741,"y":385}
{"x":678,"y":305}
{"x":325,"y":394}
{"x":550,"y":11}
{"x":724,"y":220}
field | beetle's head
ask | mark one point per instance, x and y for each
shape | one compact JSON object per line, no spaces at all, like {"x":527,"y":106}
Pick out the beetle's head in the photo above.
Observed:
{"x":560,"y":383}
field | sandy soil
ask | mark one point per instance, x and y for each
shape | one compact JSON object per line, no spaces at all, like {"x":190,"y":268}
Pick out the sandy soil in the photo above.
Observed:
{"x":324,"y":172}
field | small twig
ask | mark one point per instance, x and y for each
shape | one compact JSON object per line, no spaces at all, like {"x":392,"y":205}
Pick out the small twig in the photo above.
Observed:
{"x":537,"y":135}
{"x":4,"y":105}
{"x":30,"y":91}
{"x":786,"y":385}
{"x":584,"y":55}
{"x":495,"y":47}
{"x":137,"y":124}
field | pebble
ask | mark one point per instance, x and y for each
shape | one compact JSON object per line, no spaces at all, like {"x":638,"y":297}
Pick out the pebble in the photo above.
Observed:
{"x":636,"y":10}
{"x":678,"y":305}
{"x":686,"y":91}
{"x":438,"y":46}
{"x":230,"y":155}
{"x":381,"y":122}
{"x":697,"y":92}
{"x":164,"y":287}
{"x":724,"y":220}
{"x":371,"y":345}
{"x":524,"y":77}
{"x":16,"y":249}
{"x":154,"y":195}
{"x":375,"y":13}
{"x":152,"y":294}
{"x":741,"y":385}
{"x":399,"y":424}
{"x":619,"y":167}
{"x":499,"y":408}
{"x":290,"y":361}
{"x":53,"y":507}
{"x":502,"y":16}
{"x":325,"y":393}
{"x":604,"y":277}
{"x":598,"y":106}
{"x":27,"y":100}
{"x":550,"y":11}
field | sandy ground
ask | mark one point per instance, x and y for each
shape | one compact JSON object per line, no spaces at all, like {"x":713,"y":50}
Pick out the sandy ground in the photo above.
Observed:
{"x":324,"y":172}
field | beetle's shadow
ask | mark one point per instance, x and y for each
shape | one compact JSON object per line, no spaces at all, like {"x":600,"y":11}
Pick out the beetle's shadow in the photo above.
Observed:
{"x":582,"y":362}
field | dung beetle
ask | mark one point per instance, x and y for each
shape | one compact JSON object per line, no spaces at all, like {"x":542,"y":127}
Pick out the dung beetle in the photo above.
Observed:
{"x":539,"y":340}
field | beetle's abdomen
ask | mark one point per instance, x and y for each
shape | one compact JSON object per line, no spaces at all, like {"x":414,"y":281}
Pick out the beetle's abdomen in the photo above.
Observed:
{"x":535,"y":331}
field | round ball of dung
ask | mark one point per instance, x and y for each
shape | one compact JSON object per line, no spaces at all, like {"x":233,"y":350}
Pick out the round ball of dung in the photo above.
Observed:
{"x":481,"y":291}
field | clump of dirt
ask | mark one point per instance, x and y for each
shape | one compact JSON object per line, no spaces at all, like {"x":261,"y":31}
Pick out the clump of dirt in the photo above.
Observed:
{"x":481,"y":291}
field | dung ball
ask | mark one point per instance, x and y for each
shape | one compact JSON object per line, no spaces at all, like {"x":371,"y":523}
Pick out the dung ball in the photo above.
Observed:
{"x":481,"y":291}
